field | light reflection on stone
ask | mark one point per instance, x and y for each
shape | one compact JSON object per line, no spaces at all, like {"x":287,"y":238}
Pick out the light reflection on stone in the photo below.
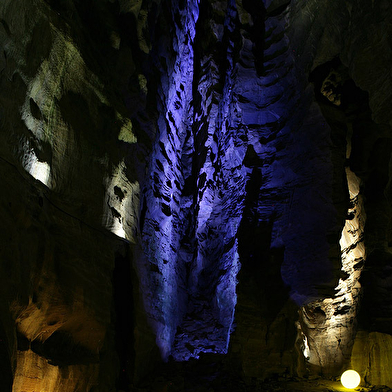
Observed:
{"x":39,"y":170}
{"x":121,"y":204}
{"x":329,"y":325}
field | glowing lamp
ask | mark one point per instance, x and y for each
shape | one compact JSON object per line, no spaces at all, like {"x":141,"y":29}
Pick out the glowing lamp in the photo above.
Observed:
{"x":350,"y":379}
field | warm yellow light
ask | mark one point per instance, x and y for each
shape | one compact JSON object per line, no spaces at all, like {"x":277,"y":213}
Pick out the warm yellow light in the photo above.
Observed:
{"x":350,"y":379}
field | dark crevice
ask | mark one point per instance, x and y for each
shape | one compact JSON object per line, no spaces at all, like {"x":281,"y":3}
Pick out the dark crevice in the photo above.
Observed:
{"x":257,"y":10}
{"x":260,"y":265}
{"x":124,"y":319}
{"x":276,"y":10}
{"x":6,"y":375}
{"x":60,"y":349}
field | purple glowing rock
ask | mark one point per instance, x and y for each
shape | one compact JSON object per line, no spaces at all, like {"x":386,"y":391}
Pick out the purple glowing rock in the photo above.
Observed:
{"x":223,"y":129}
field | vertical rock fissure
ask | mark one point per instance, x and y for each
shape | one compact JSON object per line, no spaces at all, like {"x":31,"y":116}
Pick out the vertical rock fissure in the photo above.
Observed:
{"x":123,"y":319}
{"x":195,"y":192}
{"x":213,"y":261}
{"x":6,"y":374}
{"x":163,"y":272}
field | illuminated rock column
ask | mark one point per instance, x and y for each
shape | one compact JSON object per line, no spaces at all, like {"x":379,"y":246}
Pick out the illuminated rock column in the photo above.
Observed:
{"x":220,"y":184}
{"x":328,"y":326}
{"x":163,"y":218}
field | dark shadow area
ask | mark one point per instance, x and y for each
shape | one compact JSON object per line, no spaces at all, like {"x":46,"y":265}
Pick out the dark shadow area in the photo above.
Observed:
{"x":61,"y":350}
{"x":39,"y":47}
{"x":375,"y":314}
{"x":124,"y":319}
{"x":212,"y":372}
{"x":260,"y":276}
{"x":6,"y":376}
{"x":257,"y":10}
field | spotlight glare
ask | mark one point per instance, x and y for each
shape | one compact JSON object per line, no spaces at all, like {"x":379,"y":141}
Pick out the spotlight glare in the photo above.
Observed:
{"x":350,"y":379}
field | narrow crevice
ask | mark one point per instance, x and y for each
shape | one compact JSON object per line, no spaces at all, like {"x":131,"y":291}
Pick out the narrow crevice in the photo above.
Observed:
{"x":124,"y":319}
{"x":258,"y":12}
{"x":6,"y":375}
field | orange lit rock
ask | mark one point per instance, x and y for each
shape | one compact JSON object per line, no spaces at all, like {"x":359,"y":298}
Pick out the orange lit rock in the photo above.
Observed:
{"x":35,"y":373}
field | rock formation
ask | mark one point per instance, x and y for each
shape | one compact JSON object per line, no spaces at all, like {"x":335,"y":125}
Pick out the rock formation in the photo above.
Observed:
{"x":186,"y":184}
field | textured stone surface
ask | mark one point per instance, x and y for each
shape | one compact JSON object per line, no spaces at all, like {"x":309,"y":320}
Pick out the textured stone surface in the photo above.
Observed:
{"x":68,"y":172}
{"x":180,"y":178}
{"x":359,"y":119}
{"x":56,"y":309}
{"x":371,"y":357}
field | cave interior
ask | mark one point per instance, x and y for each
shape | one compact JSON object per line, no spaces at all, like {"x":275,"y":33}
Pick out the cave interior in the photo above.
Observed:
{"x":196,"y":195}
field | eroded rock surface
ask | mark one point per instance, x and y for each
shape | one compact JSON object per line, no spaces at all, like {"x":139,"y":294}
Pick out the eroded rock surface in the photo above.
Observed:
{"x":191,"y":178}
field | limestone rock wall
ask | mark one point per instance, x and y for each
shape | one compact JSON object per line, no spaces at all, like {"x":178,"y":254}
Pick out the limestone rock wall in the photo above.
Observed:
{"x":175,"y":183}
{"x":371,"y":356}
{"x":358,"y":125}
{"x":57,"y":297}
{"x":71,"y":170}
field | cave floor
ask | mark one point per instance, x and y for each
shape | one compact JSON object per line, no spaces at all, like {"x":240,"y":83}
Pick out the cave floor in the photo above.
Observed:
{"x":317,"y":385}
{"x":211,"y":375}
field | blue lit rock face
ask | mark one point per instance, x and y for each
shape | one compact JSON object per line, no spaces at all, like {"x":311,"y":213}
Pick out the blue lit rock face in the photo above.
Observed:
{"x":191,"y":215}
{"x":241,"y":165}
{"x":164,"y":218}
